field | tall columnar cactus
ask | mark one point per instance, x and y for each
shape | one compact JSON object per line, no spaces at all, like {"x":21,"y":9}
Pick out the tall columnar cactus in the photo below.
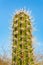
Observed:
{"x":22,"y":51}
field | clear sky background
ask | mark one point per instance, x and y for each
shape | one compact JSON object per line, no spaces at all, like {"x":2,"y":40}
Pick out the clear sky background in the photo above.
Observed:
{"x":7,"y":8}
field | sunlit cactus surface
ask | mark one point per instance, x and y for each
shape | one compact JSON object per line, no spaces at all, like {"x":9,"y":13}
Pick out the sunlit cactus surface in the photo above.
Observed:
{"x":22,"y":50}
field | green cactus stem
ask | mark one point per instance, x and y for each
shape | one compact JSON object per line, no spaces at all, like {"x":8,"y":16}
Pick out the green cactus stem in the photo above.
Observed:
{"x":22,"y":51}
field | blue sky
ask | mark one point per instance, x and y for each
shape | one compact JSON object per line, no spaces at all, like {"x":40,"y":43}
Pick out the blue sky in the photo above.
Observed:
{"x":7,"y":8}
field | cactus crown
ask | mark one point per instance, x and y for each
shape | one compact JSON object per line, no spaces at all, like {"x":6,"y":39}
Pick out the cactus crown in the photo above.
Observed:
{"x":22,"y":40}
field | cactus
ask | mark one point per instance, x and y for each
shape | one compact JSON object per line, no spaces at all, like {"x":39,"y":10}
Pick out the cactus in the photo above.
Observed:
{"x":22,"y":51}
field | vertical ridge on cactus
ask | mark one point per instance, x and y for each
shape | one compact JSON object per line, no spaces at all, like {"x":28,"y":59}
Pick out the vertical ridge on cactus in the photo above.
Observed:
{"x":22,"y":51}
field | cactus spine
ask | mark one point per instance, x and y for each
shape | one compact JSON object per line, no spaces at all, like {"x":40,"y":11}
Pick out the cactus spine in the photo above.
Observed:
{"x":22,"y":40}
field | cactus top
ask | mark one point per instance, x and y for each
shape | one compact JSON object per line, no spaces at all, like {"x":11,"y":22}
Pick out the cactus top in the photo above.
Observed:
{"x":22,"y":14}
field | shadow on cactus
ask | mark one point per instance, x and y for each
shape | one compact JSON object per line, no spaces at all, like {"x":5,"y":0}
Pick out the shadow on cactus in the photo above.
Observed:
{"x":22,"y":50}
